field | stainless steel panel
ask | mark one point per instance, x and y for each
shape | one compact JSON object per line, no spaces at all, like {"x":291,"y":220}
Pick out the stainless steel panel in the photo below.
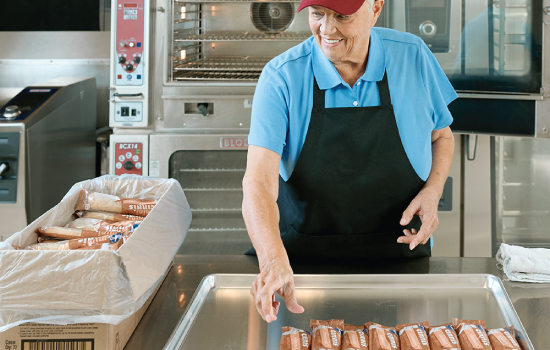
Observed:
{"x":229,"y":112}
{"x":223,"y":303}
{"x":477,"y":199}
{"x":447,"y":235}
{"x":27,"y":72}
{"x":522,"y":198}
{"x":61,"y":146}
{"x":215,"y":242}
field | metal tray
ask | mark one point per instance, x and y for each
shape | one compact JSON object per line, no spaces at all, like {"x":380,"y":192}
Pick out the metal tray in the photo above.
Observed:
{"x":222,"y":314}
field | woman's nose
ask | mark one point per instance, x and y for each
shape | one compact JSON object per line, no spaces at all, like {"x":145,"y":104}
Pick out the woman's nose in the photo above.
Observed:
{"x":327,"y":26}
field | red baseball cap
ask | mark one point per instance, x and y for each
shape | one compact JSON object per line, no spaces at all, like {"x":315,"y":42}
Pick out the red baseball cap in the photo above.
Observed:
{"x":343,"y":7}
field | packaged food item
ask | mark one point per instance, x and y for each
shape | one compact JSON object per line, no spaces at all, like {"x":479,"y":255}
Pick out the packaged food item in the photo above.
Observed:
{"x":95,"y":201}
{"x":295,"y":339}
{"x":91,"y":229}
{"x":103,"y":246}
{"x":443,"y":337}
{"x":69,"y":233}
{"x":103,"y":225}
{"x":82,"y":243}
{"x":60,"y":245}
{"x":382,"y":337}
{"x":355,"y":338}
{"x":503,"y":339}
{"x":103,"y":215}
{"x":413,"y":336}
{"x":326,"y":335}
{"x":45,"y":239}
{"x":471,"y":334}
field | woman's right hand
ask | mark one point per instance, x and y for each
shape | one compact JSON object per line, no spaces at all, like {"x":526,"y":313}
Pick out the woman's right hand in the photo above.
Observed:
{"x":276,"y":276}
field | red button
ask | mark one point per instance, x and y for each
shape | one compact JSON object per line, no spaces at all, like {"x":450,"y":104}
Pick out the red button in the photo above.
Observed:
{"x":119,"y":76}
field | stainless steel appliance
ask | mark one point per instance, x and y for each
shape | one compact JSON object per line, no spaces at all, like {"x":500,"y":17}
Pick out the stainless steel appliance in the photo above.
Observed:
{"x":47,"y":143}
{"x":183,"y":75}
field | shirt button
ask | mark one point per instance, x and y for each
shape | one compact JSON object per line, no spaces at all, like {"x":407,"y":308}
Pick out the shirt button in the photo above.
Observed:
{"x":355,"y":103}
{"x":358,"y":83}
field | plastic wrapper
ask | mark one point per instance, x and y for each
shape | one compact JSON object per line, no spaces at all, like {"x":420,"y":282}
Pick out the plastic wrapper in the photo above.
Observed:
{"x":503,"y":339}
{"x":113,"y":242}
{"x":93,"y":286}
{"x":413,"y":336}
{"x":104,"y":225}
{"x":355,"y":338}
{"x":327,"y":335}
{"x":88,"y":228}
{"x":443,"y":337}
{"x":103,"y":215}
{"x":472,"y":334}
{"x":98,"y":201}
{"x":295,"y":339}
{"x":382,"y":337}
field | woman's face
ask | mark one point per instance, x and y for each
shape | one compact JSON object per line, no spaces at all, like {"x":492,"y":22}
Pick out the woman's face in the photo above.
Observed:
{"x":344,"y":38}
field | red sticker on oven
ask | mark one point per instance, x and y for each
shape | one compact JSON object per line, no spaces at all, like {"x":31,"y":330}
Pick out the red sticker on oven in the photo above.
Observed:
{"x":234,"y":142}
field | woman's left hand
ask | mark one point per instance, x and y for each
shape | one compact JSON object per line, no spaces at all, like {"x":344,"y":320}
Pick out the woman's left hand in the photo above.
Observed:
{"x":425,"y":206}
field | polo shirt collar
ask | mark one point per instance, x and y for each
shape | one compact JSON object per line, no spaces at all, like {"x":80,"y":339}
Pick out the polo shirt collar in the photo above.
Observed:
{"x":328,"y":77}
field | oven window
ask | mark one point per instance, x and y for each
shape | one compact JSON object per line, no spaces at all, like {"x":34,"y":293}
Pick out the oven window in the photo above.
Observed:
{"x":212,"y":182}
{"x":497,"y":49}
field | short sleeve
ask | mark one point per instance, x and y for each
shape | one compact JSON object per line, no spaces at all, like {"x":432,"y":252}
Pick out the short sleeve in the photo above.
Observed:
{"x":269,"y":123}
{"x":439,"y":88}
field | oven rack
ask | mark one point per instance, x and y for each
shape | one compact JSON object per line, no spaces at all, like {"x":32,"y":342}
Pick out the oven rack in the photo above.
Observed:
{"x":216,"y":75}
{"x":179,"y":36}
{"x":225,"y":63}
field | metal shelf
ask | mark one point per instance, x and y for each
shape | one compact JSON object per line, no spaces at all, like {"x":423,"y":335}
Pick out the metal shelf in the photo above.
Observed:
{"x":241,"y":36}
{"x":216,"y":75}
{"x":225,"y":63}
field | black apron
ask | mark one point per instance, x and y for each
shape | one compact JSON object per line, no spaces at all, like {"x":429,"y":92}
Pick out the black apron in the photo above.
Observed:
{"x":350,"y":186}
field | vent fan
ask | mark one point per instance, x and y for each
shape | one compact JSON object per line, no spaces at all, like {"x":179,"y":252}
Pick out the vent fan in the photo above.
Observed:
{"x":272,"y":17}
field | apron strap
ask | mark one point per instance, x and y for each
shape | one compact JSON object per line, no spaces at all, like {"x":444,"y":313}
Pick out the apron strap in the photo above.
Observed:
{"x":318,"y":96}
{"x":384,"y":91}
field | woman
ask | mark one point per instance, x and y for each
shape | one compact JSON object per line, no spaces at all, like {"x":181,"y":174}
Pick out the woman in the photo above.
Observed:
{"x":350,"y":147}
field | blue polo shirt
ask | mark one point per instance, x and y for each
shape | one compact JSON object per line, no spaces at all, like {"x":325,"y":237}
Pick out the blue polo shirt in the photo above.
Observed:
{"x":419,"y":89}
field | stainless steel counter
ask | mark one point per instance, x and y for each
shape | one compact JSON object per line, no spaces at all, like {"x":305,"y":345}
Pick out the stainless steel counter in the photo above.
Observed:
{"x":531,"y":301}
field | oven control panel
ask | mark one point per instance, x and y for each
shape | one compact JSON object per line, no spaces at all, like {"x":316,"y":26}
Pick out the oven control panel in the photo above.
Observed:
{"x":130,"y":29}
{"x":129,"y":154}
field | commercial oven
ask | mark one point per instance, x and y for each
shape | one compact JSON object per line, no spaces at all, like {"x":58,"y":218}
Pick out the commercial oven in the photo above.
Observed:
{"x":183,"y":75}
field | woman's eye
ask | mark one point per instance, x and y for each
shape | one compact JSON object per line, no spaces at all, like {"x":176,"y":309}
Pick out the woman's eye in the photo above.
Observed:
{"x":342,"y":17}
{"x":317,"y":14}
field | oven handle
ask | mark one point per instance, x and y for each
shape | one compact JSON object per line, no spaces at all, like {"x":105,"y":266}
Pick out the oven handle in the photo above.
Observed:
{"x":127,"y":95}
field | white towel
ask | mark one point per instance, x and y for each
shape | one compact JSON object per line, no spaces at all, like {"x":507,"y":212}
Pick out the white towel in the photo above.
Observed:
{"x":525,"y":264}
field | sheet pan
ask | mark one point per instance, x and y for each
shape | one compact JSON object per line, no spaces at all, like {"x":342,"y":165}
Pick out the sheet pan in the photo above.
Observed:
{"x":222,"y":314}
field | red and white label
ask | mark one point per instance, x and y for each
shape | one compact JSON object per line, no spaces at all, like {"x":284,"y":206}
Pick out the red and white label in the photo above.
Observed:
{"x":234,"y":142}
{"x":129,"y":42}
{"x":128,"y":158}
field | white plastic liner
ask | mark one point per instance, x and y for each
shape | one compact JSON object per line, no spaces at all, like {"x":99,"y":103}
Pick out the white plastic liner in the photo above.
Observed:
{"x":65,"y":287}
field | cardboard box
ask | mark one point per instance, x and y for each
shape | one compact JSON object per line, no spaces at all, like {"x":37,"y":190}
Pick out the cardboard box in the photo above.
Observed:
{"x":79,"y":336}
{"x":112,"y":283}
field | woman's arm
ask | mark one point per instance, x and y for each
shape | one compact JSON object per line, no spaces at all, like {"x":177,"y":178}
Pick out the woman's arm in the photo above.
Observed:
{"x":261,"y":215}
{"x":425,"y":204}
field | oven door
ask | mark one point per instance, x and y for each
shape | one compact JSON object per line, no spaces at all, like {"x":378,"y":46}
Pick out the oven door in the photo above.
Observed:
{"x":210,"y":169}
